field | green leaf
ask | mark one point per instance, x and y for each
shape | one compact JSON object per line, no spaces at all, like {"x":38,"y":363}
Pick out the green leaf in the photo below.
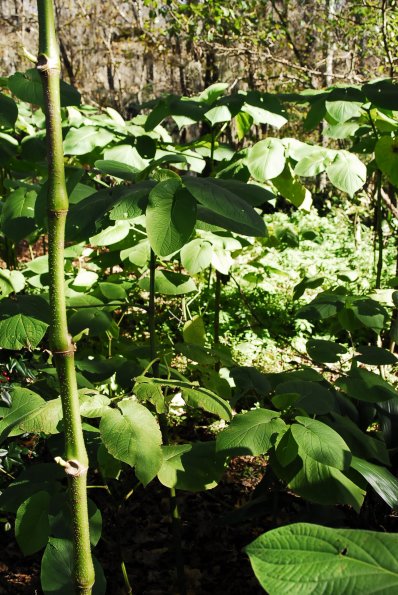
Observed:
{"x":17,"y":216}
{"x":169,"y":283}
{"x":196,"y":255}
{"x":131,"y":434}
{"x":375,"y":356}
{"x":111,"y":235}
{"x":133,"y":202}
{"x":23,"y":403}
{"x":112,"y":291}
{"x":80,"y":141}
{"x":366,"y":386}
{"x":28,"y":87}
{"x":313,"y":397}
{"x":312,"y":164}
{"x":117,"y":169}
{"x":170,"y":217}
{"x":386,"y":154}
{"x":264,"y":108}
{"x":109,"y":466}
{"x":194,"y":331}
{"x":292,"y":189}
{"x":251,"y":433}
{"x":8,"y":111}
{"x":31,"y":524}
{"x":266,"y":159}
{"x":319,"y":483}
{"x":382,"y":93}
{"x":92,"y":403}
{"x":46,"y":419}
{"x":341,"y":111}
{"x":97,"y":321}
{"x":381,"y":479}
{"x":306,"y":559}
{"x":324,"y":351}
{"x":11,"y":282}
{"x":56,"y":574}
{"x":148,"y":391}
{"x":321,"y":443}
{"x":347,"y":172}
{"x":315,"y":115}
{"x":219,"y":113}
{"x":360,"y":443}
{"x":243,"y":123}
{"x":22,"y":321}
{"x":192,"y":467}
{"x":226,"y":203}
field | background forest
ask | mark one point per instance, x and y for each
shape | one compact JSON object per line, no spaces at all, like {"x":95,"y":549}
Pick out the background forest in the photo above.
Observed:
{"x":203,"y":337}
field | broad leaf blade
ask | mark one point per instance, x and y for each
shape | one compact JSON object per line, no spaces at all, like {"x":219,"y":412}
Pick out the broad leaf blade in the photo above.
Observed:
{"x":308,"y":559}
{"x":131,"y":434}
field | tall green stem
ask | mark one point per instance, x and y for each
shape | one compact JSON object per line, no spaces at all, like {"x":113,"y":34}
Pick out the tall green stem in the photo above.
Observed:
{"x":175,"y":516}
{"x":379,"y":232}
{"x":76,"y":463}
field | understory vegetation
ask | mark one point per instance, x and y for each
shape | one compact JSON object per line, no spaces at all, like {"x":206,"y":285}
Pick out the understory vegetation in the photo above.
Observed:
{"x":206,"y":334}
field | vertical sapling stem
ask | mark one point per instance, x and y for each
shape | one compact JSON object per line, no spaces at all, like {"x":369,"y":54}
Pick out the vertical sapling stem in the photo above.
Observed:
{"x":76,"y":463}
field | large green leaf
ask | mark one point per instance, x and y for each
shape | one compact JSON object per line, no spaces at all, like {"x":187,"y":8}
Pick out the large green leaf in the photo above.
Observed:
{"x":97,"y":321}
{"x":46,"y":419}
{"x":375,"y":356}
{"x":11,"y":282}
{"x":380,"y":478}
{"x":192,"y":467}
{"x":312,"y":396}
{"x":56,"y":574}
{"x":251,"y":433}
{"x":31,"y":524}
{"x":382,"y":93}
{"x":28,"y":87}
{"x":341,"y":111}
{"x":194,"y":331}
{"x":131,"y":434}
{"x":170,"y":217}
{"x":386,"y":154}
{"x":196,"y":255}
{"x":360,"y":443}
{"x":226,"y":203}
{"x":347,"y":172}
{"x":23,"y":403}
{"x":23,"y":321}
{"x":8,"y":111}
{"x":312,"y":164}
{"x":169,"y":283}
{"x":318,"y":483}
{"x":323,"y":351}
{"x":132,"y":202}
{"x":291,"y":188}
{"x":264,"y":108}
{"x":111,"y":235}
{"x":17,"y":216}
{"x":320,"y":442}
{"x":308,"y":559}
{"x":117,"y":169}
{"x":80,"y":141}
{"x":266,"y":159}
{"x":365,"y":385}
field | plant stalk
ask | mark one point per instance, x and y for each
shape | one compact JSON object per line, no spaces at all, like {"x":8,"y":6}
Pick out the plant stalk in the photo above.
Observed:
{"x":174,"y":512}
{"x":76,"y":464}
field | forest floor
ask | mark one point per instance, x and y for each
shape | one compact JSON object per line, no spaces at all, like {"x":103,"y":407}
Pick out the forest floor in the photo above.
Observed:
{"x":216,"y":526}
